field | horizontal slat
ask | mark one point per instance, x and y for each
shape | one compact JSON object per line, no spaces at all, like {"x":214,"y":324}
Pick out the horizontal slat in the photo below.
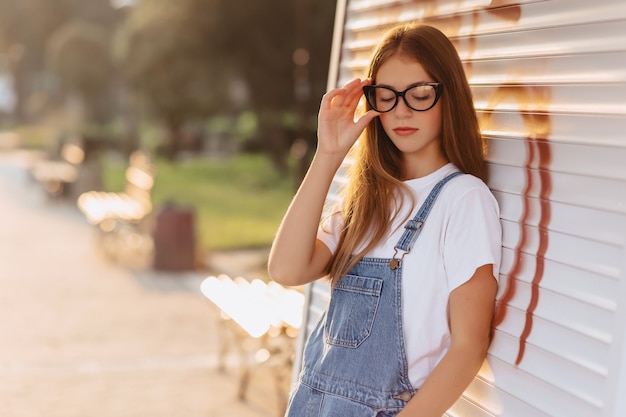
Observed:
{"x":563,"y":391}
{"x":529,"y":31}
{"x":430,"y":8}
{"x":320,"y":295}
{"x":585,"y":254}
{"x":482,"y":16}
{"x":596,"y":130}
{"x":476,"y":17}
{"x":566,"y":13}
{"x":599,"y":193}
{"x":549,"y":42}
{"x":580,"y":349}
{"x":591,"y":321}
{"x":493,"y":401}
{"x":583,"y":70}
{"x":465,"y":408}
{"x":592,"y":224}
{"x":569,"y":158}
{"x":521,"y":386}
{"x":580,"y":99}
{"x":606,"y":68}
{"x":586,"y":286}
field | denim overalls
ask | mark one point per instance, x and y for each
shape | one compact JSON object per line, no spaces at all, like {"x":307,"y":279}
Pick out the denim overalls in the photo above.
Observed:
{"x":355,"y":362}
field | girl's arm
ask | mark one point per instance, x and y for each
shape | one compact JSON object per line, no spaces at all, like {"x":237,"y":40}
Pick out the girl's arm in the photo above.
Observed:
{"x":471,"y":313}
{"x":297,"y":257}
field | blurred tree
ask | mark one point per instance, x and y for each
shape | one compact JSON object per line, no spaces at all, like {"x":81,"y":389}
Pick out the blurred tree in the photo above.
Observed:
{"x":189,"y":59}
{"x":283,"y":50}
{"x":26,"y":26}
{"x":80,"y":55}
{"x":163,"y":53}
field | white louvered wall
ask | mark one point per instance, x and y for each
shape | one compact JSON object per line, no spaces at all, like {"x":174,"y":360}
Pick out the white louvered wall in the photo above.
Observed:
{"x":549,"y":83}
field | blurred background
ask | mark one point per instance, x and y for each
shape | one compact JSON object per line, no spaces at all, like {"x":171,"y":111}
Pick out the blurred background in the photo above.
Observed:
{"x":146,"y":145}
{"x":217,"y":90}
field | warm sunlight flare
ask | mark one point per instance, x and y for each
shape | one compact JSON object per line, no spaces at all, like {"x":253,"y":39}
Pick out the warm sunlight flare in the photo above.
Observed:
{"x":255,"y":306}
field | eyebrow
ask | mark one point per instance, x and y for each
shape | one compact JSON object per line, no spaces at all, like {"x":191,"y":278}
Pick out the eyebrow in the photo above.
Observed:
{"x":409,"y":86}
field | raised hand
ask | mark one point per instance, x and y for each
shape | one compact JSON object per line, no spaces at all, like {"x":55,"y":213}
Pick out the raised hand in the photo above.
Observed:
{"x":297,"y":257}
{"x":337,"y":127}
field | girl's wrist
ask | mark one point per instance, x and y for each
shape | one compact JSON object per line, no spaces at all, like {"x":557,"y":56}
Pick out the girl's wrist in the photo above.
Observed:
{"x":331,"y":162}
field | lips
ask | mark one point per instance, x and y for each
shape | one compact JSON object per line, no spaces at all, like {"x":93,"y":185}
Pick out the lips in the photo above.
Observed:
{"x":404,"y":131}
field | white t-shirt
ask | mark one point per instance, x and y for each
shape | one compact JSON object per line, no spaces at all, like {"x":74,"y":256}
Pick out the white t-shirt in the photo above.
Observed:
{"x":461,"y":233}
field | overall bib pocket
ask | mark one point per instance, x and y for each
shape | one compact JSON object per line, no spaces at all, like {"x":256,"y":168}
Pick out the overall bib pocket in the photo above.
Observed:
{"x":351,"y":311}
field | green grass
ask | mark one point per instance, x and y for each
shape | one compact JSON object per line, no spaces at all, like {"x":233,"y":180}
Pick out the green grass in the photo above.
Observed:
{"x":35,"y":136}
{"x":238,"y":201}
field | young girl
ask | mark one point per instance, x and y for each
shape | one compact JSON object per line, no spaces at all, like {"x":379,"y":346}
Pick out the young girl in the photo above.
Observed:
{"x":413,"y":251}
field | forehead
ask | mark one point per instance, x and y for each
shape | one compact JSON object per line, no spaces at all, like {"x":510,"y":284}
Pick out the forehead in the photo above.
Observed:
{"x":399,"y":72}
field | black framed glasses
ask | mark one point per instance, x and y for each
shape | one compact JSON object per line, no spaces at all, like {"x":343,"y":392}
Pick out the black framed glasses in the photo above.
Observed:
{"x":418,"y":97}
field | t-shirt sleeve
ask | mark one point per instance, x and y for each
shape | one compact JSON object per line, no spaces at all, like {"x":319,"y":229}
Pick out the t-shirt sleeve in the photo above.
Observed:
{"x":473,"y":237}
{"x":330,"y":230}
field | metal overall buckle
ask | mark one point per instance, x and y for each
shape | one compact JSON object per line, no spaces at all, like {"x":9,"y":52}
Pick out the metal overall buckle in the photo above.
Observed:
{"x":394,"y":263}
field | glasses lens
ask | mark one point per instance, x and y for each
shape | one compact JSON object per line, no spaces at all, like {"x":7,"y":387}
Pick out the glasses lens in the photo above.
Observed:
{"x":421,"y":97}
{"x":381,"y":99}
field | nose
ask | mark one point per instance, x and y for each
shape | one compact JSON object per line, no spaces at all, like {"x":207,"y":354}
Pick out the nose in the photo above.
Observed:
{"x":401,"y":109}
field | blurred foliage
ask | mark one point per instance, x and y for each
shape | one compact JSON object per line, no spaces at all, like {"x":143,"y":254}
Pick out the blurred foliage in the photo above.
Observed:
{"x":80,"y":55}
{"x":175,"y":64}
{"x":25,"y":29}
{"x":161,"y":52}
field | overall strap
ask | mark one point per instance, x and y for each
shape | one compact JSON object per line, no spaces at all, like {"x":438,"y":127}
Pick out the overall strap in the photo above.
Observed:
{"x":413,"y":227}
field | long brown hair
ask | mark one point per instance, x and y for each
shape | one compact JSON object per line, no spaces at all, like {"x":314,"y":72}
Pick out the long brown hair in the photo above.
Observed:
{"x":371,"y":196}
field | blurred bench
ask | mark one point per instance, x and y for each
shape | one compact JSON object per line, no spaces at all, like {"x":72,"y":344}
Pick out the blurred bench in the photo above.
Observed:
{"x":118,"y":215}
{"x":260,"y":321}
{"x":58,"y":174}
{"x":132,"y":205}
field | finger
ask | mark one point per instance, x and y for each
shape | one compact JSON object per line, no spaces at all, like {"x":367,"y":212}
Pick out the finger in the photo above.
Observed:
{"x":356,"y":87}
{"x":352,"y":84}
{"x":343,"y":96}
{"x":364,"y":120}
{"x":355,"y":98}
{"x":330,"y":99}
{"x":357,"y":93}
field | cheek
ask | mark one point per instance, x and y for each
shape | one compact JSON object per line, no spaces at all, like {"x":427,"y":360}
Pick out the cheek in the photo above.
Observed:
{"x":436,"y":122}
{"x":439,"y":123}
{"x":384,"y":121}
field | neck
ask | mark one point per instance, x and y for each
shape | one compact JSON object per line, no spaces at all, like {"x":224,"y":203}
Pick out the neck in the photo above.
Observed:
{"x":418,"y":169}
